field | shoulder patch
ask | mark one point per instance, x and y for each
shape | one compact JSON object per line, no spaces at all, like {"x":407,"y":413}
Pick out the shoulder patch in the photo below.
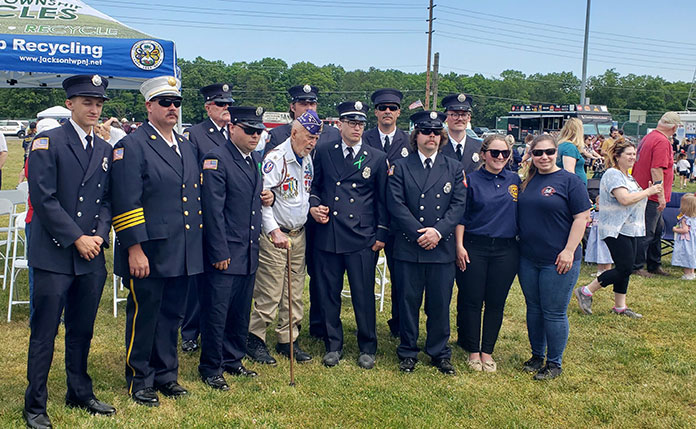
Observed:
{"x":187,"y":134}
{"x":118,"y":154}
{"x":268,"y":166}
{"x":40,"y":143}
{"x":210,"y":164}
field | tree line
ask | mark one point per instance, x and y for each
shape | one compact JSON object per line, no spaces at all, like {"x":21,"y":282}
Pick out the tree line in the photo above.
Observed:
{"x":265,"y":82}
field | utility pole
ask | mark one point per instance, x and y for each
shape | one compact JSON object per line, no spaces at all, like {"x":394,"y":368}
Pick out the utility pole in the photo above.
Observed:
{"x":430,"y":44}
{"x":436,"y":77}
{"x":583,"y":85}
{"x":691,"y":100}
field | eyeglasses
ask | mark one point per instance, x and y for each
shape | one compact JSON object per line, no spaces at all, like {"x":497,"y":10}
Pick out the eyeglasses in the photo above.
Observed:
{"x":166,"y":102}
{"x":429,"y":131}
{"x":461,"y":115}
{"x":354,"y":124}
{"x":495,"y":153}
{"x":391,"y":107}
{"x":250,"y":131}
{"x":222,"y":104}
{"x":540,"y":152}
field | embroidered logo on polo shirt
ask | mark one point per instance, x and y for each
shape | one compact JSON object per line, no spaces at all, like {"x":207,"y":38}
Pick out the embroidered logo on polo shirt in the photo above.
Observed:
{"x":512,"y":190}
{"x":548,"y":191}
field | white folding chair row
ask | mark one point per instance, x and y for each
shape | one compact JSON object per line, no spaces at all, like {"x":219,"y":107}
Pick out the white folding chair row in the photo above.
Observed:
{"x":19,"y":262}
{"x":6,"y":209}
{"x":381,"y":280}
{"x":15,"y":197}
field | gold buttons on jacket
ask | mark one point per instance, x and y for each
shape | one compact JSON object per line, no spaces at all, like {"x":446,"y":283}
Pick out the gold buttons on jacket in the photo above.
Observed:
{"x":188,"y":226}
{"x":185,"y":212}
{"x":184,"y":199}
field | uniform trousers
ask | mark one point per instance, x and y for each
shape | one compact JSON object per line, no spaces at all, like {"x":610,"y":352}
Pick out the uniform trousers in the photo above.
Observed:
{"x":436,"y":281}
{"x":487,"y":278}
{"x":316,"y":326}
{"x":79,"y":295}
{"x":154,"y":310}
{"x":271,"y":288}
{"x":360,"y":267}
{"x":394,"y":286}
{"x":225,"y":304}
{"x":190,"y":325}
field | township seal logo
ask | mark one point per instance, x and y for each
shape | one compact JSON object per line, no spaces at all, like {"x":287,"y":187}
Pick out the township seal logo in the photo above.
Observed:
{"x":147,"y":54}
{"x":548,"y":191}
{"x":513,"y":191}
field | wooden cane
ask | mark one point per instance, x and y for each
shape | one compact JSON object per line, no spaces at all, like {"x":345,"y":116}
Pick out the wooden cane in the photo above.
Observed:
{"x":292,"y":348}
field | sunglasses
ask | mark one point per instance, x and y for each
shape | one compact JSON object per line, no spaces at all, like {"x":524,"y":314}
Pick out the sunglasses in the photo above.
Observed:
{"x":391,"y":107}
{"x":428,"y":131}
{"x":495,"y":153}
{"x":251,"y":131}
{"x":222,"y":104}
{"x":540,"y":152}
{"x":166,"y":102}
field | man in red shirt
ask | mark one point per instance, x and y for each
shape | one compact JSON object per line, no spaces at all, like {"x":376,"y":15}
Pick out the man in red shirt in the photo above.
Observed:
{"x":655,"y":163}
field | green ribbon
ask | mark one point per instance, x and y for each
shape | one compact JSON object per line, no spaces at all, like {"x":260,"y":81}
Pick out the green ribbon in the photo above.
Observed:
{"x":359,"y":161}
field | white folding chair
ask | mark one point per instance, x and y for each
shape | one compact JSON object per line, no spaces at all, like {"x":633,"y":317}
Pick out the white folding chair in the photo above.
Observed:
{"x":24,"y":187}
{"x":18,"y":263}
{"x":380,"y":279}
{"x":117,"y":283}
{"x":6,"y":209}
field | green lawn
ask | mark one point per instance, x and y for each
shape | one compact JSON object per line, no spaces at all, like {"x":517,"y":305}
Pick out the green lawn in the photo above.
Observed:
{"x":617,"y":373}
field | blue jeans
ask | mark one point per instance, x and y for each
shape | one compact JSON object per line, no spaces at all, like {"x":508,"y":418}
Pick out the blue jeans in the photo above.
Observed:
{"x":27,"y":228}
{"x":547,"y":295}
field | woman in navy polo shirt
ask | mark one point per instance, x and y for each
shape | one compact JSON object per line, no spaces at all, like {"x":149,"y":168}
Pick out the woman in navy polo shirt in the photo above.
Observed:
{"x":553,"y":210}
{"x":487,"y":252}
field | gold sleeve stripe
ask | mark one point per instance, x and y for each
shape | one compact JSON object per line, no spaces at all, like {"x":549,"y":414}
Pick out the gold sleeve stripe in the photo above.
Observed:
{"x":128,"y":213}
{"x":120,"y":225}
{"x":127,"y":218}
{"x":129,"y":225}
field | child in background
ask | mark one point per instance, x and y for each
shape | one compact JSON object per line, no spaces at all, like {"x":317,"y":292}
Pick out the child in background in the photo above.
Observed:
{"x":684,"y":254}
{"x":597,"y":251}
{"x":684,"y":170}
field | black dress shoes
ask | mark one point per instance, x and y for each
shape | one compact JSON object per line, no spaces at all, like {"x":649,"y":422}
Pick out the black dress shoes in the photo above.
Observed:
{"x":216,"y":382}
{"x":37,"y":421}
{"x":189,"y":346}
{"x":444,"y":365}
{"x":300,"y":355}
{"x":241,"y":371}
{"x":257,"y":350}
{"x":93,"y":406}
{"x":146,"y":396}
{"x":408,"y":364}
{"x":172,"y":390}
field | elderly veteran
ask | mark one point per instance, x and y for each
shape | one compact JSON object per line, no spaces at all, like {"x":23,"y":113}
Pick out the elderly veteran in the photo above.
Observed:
{"x":288,"y":172}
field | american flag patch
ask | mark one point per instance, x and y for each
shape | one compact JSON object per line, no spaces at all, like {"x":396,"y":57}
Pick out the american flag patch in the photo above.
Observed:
{"x":210,"y":164}
{"x":41,"y":143}
{"x":118,"y":154}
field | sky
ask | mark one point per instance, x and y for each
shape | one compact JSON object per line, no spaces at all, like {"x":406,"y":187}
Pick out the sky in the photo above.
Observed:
{"x":486,"y":37}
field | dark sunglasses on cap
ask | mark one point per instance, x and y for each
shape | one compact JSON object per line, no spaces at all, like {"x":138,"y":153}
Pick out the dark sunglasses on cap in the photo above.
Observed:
{"x":540,"y":152}
{"x":428,"y":131}
{"x":391,"y":107}
{"x":251,"y":131}
{"x":222,"y":104}
{"x":495,"y":153}
{"x":166,"y":102}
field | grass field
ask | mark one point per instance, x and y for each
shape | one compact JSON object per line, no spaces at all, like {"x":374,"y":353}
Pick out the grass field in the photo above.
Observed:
{"x":618,"y":373}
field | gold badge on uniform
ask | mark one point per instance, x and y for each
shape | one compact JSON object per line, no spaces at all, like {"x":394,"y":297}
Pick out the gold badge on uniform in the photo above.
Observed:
{"x":404,"y":152}
{"x":447,"y":188}
{"x":366,"y":172}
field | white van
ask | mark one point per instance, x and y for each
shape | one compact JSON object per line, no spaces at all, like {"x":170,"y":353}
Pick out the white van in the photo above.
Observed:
{"x":11,"y":127}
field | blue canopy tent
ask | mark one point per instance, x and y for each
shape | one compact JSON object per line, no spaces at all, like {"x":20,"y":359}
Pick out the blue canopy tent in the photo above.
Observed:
{"x":42,"y":44}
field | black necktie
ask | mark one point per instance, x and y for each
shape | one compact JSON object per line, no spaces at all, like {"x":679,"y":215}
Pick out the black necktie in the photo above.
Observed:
{"x":349,"y":157}
{"x":387,"y":144}
{"x":459,"y":151}
{"x":222,"y":131}
{"x":249,"y":161}
{"x":428,"y":163}
{"x":88,"y":148}
{"x":175,"y":151}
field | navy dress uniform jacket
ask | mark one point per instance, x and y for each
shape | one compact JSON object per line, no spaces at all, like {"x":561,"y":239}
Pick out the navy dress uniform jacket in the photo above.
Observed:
{"x":279,"y":134}
{"x":417,"y":199}
{"x":77,"y":203}
{"x":205,"y":137}
{"x":399,"y":146}
{"x":355,"y":196}
{"x":471,"y":147}
{"x":156,"y":202}
{"x":232,"y":209}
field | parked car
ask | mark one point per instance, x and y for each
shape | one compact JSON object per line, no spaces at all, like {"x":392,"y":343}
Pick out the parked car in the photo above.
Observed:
{"x":12,"y":127}
{"x":480,"y":131}
{"x":472,"y":134}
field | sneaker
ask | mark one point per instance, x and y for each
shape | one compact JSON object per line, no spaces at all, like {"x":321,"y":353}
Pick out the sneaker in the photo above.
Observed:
{"x":534,"y":364}
{"x":628,"y":313}
{"x":584,"y":301}
{"x":548,"y":372}
{"x":688,"y":277}
{"x":257,"y":350}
